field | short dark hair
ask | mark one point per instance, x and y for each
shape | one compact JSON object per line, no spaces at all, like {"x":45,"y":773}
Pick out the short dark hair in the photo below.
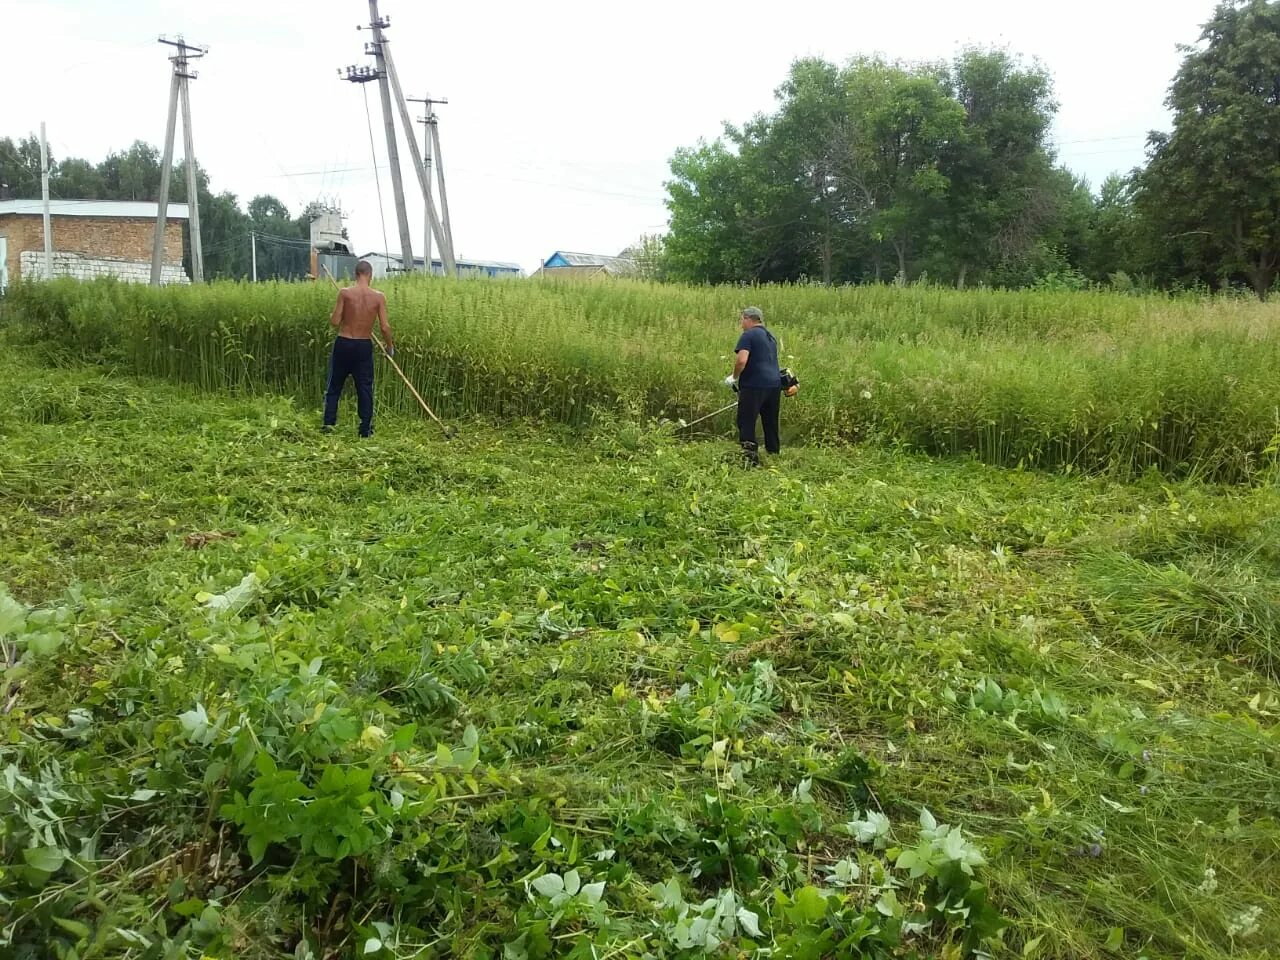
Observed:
{"x":364,"y":268}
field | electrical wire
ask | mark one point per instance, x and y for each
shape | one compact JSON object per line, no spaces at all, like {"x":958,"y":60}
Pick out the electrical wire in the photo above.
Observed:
{"x":368,"y":119}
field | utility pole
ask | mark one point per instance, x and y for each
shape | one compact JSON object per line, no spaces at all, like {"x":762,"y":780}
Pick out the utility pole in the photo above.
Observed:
{"x":428,"y":135}
{"x":166,"y":167}
{"x":377,"y":25}
{"x":44,"y":196}
{"x":446,"y":249}
{"x":444,"y":196}
{"x":178,"y":92}
{"x":389,"y":86}
{"x":253,"y":240}
{"x":193,"y":185}
{"x":426,"y":165}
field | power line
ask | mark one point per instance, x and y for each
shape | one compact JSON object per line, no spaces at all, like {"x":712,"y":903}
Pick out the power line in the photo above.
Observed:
{"x":1129,"y":136}
{"x":473,"y":171}
{"x":368,"y":119}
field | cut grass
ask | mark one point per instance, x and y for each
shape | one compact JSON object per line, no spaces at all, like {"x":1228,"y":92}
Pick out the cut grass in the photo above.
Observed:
{"x":599,"y":609}
{"x":1223,"y":604}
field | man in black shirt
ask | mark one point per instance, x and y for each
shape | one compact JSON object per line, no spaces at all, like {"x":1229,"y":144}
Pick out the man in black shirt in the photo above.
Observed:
{"x":759,"y":384}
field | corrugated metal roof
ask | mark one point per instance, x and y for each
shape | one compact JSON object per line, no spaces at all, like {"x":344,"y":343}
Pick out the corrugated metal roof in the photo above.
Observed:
{"x":495,"y":264}
{"x":612,"y":264}
{"x":435,"y":261}
{"x":566,"y":273}
{"x":94,"y":208}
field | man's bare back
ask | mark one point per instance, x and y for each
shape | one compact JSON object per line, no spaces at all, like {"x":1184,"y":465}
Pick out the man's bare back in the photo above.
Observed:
{"x":357,"y":309}
{"x":360,"y":307}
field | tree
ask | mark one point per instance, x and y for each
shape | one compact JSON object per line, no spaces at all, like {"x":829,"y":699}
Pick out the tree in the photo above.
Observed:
{"x":1211,"y":190}
{"x":20,"y":167}
{"x":804,"y":148}
{"x":843,"y":174}
{"x":707,"y":243}
{"x":901,"y":122}
{"x":1115,"y":243}
{"x":649,"y":255}
{"x":1002,"y":191}
{"x":282,"y":250}
{"x":134,"y":174}
{"x":77,"y":179}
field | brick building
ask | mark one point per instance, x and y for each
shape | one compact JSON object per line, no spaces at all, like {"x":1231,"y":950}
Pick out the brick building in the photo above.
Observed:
{"x":91,"y":238}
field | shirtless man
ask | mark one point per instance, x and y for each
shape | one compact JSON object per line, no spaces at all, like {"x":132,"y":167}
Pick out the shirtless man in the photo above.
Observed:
{"x":353,"y":315}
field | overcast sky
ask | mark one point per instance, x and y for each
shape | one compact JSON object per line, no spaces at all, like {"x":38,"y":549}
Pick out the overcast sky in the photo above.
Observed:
{"x":561,"y":116}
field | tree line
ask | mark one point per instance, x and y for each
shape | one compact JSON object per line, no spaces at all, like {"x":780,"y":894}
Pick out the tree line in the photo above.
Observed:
{"x":134,"y":174}
{"x":879,"y":170}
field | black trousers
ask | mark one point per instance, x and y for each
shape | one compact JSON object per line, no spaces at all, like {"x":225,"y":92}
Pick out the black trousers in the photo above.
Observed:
{"x":350,"y":358}
{"x":763,"y":404}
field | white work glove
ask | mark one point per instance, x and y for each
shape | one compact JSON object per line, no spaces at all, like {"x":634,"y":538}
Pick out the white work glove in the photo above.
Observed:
{"x":731,"y":383}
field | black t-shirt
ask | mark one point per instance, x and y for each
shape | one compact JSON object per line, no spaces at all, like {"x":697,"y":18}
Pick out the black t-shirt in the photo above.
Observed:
{"x":761,"y":371}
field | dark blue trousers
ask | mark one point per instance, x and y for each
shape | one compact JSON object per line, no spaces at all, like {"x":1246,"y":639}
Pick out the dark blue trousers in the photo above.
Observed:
{"x":762,"y":404}
{"x":350,"y":358}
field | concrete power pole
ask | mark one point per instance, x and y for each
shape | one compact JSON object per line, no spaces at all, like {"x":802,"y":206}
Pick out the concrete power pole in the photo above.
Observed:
{"x":193,"y":185}
{"x":426,"y":164}
{"x":446,"y":251}
{"x":178,"y":92}
{"x":389,"y":86}
{"x":44,"y":196}
{"x":444,"y":195}
{"x":428,"y":135}
{"x":166,"y":167}
{"x":377,"y":25}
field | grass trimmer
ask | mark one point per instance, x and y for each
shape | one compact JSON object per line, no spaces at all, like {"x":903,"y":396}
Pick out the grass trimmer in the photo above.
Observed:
{"x":790,"y":387}
{"x":682,"y":425}
{"x":449,"y":431}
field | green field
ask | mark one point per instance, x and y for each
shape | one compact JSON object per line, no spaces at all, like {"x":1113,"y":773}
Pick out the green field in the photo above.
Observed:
{"x":578,"y":687}
{"x":1065,"y":381}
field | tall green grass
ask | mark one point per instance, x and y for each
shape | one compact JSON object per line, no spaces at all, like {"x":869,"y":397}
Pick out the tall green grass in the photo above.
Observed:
{"x":1084,"y":381}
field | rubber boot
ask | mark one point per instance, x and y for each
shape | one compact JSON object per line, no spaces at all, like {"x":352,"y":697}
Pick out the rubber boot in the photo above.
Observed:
{"x":751,"y":454}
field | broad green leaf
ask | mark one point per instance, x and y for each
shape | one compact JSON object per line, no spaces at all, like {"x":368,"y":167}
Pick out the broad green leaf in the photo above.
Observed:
{"x":46,"y":642}
{"x":372,"y":945}
{"x":1115,"y":940}
{"x":888,"y":904}
{"x":668,"y":894}
{"x":189,"y":908}
{"x":750,"y":922}
{"x":549,"y":884}
{"x":1117,"y":807}
{"x":846,"y":871}
{"x":572,"y":883}
{"x":233,"y":599}
{"x":13,"y":615}
{"x":810,"y":905}
{"x":73,"y":927}
{"x":44,"y":859}
{"x":874,"y":829}
{"x":592,"y":892}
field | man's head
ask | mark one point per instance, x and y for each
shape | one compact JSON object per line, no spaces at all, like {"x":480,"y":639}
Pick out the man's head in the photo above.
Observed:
{"x":364,"y":271}
{"x":752,"y":317}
